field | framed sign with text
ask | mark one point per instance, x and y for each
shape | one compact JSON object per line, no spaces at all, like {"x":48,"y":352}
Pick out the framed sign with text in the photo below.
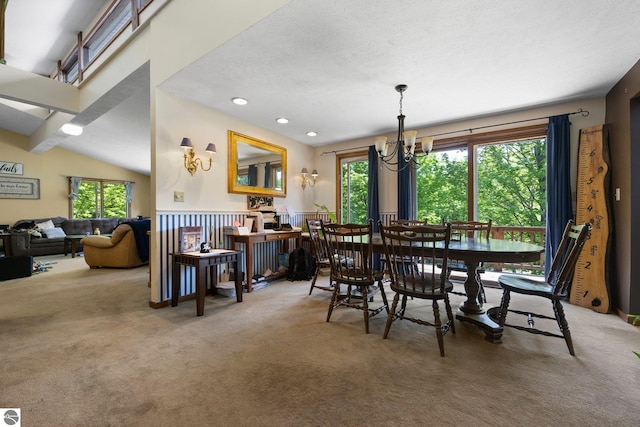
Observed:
{"x":19,"y":188}
{"x":11,"y":168}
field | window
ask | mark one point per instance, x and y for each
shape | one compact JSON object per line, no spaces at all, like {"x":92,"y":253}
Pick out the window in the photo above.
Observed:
{"x":108,"y":30}
{"x":442,"y":186}
{"x":354,"y":189}
{"x":101,"y":199}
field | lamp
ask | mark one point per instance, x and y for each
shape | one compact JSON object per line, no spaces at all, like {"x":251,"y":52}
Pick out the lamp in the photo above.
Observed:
{"x":191,"y":162}
{"x":305,"y":179}
{"x":404,"y":145}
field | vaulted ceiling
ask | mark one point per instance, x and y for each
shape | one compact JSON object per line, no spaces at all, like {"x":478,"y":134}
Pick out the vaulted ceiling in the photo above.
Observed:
{"x":331,"y":65}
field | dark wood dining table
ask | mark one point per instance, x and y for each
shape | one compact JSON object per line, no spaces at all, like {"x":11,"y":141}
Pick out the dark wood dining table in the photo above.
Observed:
{"x":473,"y":251}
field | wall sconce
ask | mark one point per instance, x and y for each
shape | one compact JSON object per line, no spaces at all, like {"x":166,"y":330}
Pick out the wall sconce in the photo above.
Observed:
{"x":191,"y":161}
{"x":305,"y":179}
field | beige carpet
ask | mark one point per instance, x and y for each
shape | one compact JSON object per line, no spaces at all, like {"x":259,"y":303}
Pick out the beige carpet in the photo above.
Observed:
{"x":81,"y":347}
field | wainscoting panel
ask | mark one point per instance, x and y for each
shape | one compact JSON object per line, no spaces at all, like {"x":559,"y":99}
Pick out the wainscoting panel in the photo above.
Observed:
{"x":213,"y":223}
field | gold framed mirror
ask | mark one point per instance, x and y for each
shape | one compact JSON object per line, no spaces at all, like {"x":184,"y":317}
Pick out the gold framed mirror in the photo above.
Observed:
{"x":256,"y":167}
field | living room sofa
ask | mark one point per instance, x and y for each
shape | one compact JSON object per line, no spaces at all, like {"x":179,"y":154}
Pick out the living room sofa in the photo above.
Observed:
{"x":27,"y":239}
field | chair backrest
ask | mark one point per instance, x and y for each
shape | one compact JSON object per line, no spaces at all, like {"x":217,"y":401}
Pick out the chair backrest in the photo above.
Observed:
{"x":350,"y":249}
{"x":408,"y":222}
{"x":320,"y":251}
{"x":420,"y":255}
{"x":566,"y":256}
{"x":469,"y":229}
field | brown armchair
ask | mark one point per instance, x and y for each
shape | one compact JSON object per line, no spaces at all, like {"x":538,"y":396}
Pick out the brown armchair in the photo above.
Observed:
{"x":118,"y":251}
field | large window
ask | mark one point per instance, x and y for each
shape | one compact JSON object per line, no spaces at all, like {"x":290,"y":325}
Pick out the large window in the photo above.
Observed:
{"x":497,"y":175}
{"x":354,"y":180}
{"x":101,"y":199}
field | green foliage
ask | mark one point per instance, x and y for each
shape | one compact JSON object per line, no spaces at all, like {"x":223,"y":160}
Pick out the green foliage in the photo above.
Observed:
{"x":442,"y":187}
{"x":512,"y":183}
{"x":355,"y":181}
{"x":89,"y":201}
{"x":332,"y":216}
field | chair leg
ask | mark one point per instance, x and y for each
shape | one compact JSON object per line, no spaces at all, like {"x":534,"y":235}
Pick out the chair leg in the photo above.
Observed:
{"x":562,"y":323}
{"x":482,"y":297}
{"x":438,"y":325}
{"x":315,"y":277}
{"x":504,"y":306}
{"x":365,"y":306}
{"x":391,"y":315}
{"x":334,"y":299}
{"x":447,"y":305}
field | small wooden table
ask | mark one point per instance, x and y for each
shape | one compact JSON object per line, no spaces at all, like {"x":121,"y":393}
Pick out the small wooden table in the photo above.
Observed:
{"x":72,"y":240}
{"x":202,"y":262}
{"x":252,"y":238}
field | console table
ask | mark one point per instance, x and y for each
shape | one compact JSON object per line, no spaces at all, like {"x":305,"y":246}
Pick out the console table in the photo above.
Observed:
{"x":202,"y":262}
{"x":253,"y":238}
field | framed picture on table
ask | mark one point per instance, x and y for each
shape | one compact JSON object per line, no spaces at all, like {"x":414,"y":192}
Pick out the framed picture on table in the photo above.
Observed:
{"x":189,"y":239}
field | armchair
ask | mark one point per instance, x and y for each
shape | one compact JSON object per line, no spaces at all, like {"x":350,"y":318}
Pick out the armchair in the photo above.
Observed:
{"x":119,"y":250}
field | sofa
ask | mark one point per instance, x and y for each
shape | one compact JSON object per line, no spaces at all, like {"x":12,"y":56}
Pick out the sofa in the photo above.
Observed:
{"x":127,"y":247}
{"x":36,"y":237}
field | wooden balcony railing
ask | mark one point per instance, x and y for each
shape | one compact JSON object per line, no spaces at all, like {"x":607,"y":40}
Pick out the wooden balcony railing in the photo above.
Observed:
{"x":534,"y":235}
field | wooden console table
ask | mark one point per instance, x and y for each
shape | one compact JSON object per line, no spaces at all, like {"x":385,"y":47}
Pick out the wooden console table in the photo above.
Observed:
{"x":202,"y":263}
{"x":251,"y":239}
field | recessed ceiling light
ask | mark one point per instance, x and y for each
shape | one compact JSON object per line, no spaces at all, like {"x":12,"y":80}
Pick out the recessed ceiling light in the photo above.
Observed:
{"x":239,"y":101}
{"x":312,"y":133}
{"x":71,"y":129}
{"x":282,"y":120}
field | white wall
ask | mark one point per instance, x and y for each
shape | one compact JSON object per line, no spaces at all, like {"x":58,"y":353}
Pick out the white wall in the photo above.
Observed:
{"x":207,"y":191}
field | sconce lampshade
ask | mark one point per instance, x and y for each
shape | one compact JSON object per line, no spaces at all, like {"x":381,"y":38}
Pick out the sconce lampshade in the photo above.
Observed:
{"x":304,"y":171}
{"x":314,"y":173}
{"x":211,"y":149}
{"x":186,"y":143}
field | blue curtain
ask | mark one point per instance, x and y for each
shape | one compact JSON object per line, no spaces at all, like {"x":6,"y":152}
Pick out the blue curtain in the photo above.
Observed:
{"x":253,"y":175}
{"x":559,"y":206}
{"x":267,"y":175}
{"x":404,"y":187}
{"x":373,"y":203}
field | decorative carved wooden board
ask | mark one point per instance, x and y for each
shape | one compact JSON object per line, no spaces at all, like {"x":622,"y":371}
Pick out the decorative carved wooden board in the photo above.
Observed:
{"x":590,"y":286}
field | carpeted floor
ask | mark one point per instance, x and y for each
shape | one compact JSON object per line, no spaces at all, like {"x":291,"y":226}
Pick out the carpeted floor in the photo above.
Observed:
{"x":81,"y":347}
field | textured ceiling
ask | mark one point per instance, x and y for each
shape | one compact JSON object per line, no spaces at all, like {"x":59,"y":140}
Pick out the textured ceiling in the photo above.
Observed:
{"x":331,"y":65}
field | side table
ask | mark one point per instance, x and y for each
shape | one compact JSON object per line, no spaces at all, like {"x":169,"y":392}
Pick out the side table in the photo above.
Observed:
{"x":203,"y":262}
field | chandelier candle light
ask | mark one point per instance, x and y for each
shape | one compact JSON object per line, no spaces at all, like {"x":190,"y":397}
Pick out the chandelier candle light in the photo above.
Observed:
{"x":404,"y":145}
{"x":191,"y":162}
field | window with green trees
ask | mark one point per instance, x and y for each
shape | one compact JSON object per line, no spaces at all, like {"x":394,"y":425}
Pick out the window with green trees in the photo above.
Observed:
{"x":354,"y":190}
{"x":498,"y":175}
{"x":101,"y":199}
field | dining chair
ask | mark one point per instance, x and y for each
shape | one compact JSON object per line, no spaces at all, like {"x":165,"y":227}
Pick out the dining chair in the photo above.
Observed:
{"x":461,"y":230}
{"x":350,"y":251}
{"x":554,"y":288}
{"x":320,"y":253}
{"x":418,"y":250}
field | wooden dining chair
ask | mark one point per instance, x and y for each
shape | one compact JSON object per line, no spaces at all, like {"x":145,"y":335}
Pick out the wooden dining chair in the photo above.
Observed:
{"x":420,"y":248}
{"x":350,"y":251}
{"x":320,"y":253}
{"x":555,"y":288}
{"x":465,"y":229}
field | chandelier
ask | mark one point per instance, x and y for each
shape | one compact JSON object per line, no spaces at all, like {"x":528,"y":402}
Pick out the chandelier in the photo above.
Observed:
{"x":404,"y":145}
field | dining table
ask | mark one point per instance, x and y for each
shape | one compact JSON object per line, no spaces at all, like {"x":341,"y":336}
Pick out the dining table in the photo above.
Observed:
{"x":472,"y":252}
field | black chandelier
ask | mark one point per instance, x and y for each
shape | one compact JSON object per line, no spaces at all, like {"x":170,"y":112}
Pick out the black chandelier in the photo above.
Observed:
{"x":404,"y":145}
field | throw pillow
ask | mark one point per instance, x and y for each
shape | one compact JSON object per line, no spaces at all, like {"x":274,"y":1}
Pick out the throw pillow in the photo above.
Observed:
{"x":45,"y":225}
{"x":54,"y":232}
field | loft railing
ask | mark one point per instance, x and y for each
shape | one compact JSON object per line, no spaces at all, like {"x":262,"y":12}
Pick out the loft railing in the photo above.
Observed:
{"x":118,"y":16}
